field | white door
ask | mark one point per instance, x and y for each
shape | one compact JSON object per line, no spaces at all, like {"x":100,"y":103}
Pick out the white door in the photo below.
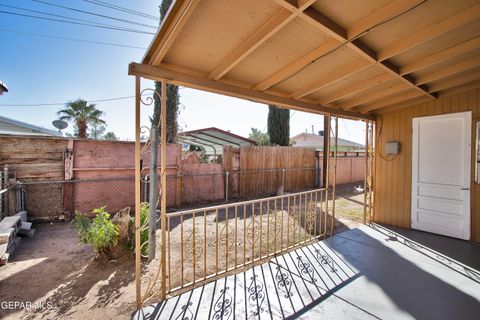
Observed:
{"x":441,"y":174}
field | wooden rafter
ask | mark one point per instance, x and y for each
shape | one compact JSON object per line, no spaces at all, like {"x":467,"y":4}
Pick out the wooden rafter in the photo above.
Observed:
{"x":392,"y":9}
{"x":450,"y":70}
{"x":202,"y":83}
{"x":323,"y":23}
{"x":392,"y":89}
{"x":355,"y":88}
{"x":461,"y":84}
{"x":297,"y":65}
{"x":441,"y":56}
{"x":461,"y":88}
{"x":410,"y":102}
{"x":390,"y":100}
{"x":455,"y":21}
{"x":335,"y":76}
{"x":456,"y":81}
{"x":389,"y":11}
{"x":270,"y":28}
{"x":402,"y":104}
{"x":173,"y":26}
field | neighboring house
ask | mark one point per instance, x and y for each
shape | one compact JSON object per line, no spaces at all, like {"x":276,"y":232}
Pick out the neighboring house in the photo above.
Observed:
{"x":308,"y":140}
{"x":3,"y":87}
{"x":15,"y":127}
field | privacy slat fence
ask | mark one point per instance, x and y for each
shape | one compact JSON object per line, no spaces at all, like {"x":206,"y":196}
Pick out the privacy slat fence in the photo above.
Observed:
{"x":269,"y":170}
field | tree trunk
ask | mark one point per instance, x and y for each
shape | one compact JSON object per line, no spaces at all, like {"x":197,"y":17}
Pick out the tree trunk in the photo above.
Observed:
{"x":82,"y":128}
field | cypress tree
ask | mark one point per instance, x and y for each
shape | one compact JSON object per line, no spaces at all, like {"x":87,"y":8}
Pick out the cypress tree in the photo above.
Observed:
{"x":278,"y":125}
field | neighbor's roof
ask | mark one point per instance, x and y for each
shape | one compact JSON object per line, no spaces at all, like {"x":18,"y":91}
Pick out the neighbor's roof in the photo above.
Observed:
{"x":349,"y":57}
{"x":316,"y":141}
{"x":212,"y":140}
{"x":14,"y":127}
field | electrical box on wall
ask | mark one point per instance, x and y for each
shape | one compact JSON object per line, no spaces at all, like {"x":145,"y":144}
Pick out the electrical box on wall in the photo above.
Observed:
{"x":393,"y":147}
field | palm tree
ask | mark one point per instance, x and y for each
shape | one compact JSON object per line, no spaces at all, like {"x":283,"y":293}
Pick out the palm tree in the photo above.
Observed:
{"x":82,"y":114}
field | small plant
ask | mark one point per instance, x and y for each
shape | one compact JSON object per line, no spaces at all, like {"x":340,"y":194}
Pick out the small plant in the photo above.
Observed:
{"x":100,"y":232}
{"x":82,"y":224}
{"x":144,"y":219}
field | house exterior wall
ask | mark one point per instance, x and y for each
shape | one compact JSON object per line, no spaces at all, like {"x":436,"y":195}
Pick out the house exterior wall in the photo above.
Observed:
{"x":393,"y":182}
{"x":12,"y":129}
{"x":303,"y":140}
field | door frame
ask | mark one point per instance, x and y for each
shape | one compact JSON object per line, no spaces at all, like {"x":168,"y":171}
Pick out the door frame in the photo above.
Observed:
{"x":467,"y":218}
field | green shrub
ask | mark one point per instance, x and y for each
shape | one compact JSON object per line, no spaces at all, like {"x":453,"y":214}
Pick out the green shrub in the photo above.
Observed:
{"x":100,"y":232}
{"x":82,"y":224}
{"x":144,"y":220}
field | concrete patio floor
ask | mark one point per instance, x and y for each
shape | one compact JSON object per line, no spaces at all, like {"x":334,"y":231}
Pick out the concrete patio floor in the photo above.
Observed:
{"x":371,"y":272}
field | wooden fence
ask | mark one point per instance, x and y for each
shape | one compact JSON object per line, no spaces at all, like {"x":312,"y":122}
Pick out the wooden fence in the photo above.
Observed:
{"x":63,"y":175}
{"x":34,"y":159}
{"x":256,"y":171}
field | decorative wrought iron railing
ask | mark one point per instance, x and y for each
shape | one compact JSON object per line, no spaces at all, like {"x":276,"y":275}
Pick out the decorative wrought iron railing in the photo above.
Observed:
{"x":207,"y":242}
{"x":197,"y":245}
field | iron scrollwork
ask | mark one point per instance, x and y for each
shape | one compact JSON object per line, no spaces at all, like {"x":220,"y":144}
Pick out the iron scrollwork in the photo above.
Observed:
{"x":256,"y":296}
{"x":223,"y":305}
{"x":198,"y":245}
{"x":306,"y":268}
{"x":284,"y":282}
{"x":325,"y":260}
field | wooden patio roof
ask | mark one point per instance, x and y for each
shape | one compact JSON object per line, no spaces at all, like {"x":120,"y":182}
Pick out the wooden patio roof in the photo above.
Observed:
{"x":352,"y":58}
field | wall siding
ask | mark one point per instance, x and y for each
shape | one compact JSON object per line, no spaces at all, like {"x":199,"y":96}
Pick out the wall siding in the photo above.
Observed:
{"x":393,"y":185}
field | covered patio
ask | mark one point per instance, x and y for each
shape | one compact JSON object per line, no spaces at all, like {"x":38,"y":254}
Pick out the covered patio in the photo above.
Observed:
{"x":371,"y":272}
{"x":402,"y":67}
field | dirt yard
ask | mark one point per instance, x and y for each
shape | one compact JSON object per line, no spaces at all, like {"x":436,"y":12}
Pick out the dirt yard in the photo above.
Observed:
{"x":349,"y":207}
{"x":54,"y":271}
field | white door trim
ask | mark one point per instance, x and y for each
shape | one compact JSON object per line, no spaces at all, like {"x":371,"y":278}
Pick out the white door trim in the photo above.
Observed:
{"x":465,"y":187}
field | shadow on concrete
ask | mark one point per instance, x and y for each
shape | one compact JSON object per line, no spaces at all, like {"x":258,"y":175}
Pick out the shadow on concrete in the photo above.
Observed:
{"x":462,"y":251}
{"x":298,"y":284}
{"x":405,"y":282}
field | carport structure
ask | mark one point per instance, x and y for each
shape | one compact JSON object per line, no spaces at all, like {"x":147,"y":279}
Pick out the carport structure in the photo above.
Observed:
{"x":393,"y":64}
{"x":212,"y":140}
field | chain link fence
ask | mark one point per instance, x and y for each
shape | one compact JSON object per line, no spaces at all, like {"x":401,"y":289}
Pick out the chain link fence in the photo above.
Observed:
{"x":53,"y":198}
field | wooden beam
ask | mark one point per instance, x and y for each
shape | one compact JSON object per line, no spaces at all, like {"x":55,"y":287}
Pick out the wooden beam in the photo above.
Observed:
{"x":272,"y":26}
{"x":304,"y":3}
{"x":196,"y":82}
{"x":355,"y":88}
{"x":450,"y":70}
{"x":333,"y":77}
{"x":293,"y":5}
{"x":170,"y":29}
{"x":326,"y":150}
{"x":236,"y":83}
{"x":392,"y":89}
{"x":402,"y":105}
{"x":389,"y":101}
{"x":324,"y":24}
{"x":453,"y":82}
{"x":318,"y":20}
{"x":297,"y":65}
{"x":68,"y":205}
{"x":437,"y":29}
{"x":459,"y":89}
{"x":265,"y":32}
{"x":390,"y":11}
{"x":441,"y":56}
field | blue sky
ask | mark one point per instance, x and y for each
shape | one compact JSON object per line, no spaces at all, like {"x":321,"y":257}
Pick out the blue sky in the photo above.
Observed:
{"x":42,"y":70}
